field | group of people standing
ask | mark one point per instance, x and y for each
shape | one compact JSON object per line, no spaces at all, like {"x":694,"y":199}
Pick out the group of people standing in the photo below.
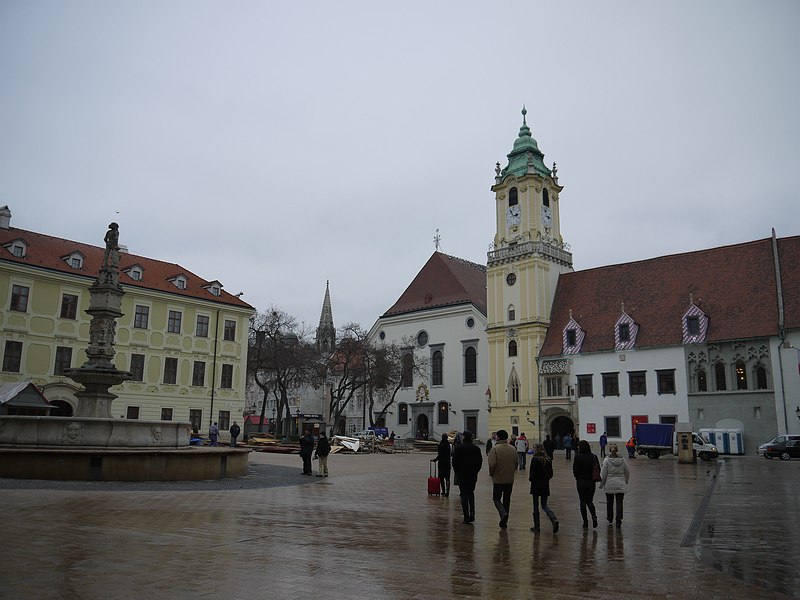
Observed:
{"x":504,"y":461}
{"x":320,"y":449}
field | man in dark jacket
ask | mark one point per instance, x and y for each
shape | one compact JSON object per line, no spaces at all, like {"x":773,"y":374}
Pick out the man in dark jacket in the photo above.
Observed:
{"x":306,"y":449}
{"x":323,"y":450}
{"x":235,"y":430}
{"x":467,"y":462}
{"x":549,"y":446}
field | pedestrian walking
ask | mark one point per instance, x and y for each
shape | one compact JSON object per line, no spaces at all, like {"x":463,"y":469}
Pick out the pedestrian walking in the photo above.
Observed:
{"x":235,"y":430}
{"x":306,"y":449}
{"x":582,"y":469}
{"x":321,"y":453}
{"x":467,"y":462}
{"x":502,"y":468}
{"x":442,"y":460}
{"x":491,"y":442}
{"x":568,"y":446}
{"x":549,"y":447}
{"x":614,"y":477}
{"x":213,"y":433}
{"x":540,"y":475}
{"x":603,"y":444}
{"x":522,"y":450}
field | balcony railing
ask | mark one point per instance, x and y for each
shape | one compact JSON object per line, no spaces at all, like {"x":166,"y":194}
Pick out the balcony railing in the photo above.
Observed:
{"x":544,"y":248}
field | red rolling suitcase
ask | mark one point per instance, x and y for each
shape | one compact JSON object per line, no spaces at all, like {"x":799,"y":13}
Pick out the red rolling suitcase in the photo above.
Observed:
{"x":434,"y":487}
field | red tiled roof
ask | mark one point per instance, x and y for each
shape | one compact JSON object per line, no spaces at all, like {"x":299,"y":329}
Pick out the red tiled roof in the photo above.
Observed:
{"x":733,"y":285}
{"x":444,"y":281}
{"x":46,"y":252}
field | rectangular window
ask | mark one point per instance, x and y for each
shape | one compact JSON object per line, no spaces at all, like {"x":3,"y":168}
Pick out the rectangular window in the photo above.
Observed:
{"x":69,"y":306}
{"x":141,"y":317}
{"x":637,"y":383}
{"x":612,"y":427}
{"x":174,"y":321}
{"x":171,"y":370}
{"x":666,"y":381}
{"x":199,"y":373}
{"x":132,"y":412}
{"x":668,"y":419}
{"x":610,"y":384}
{"x":624,"y":332}
{"x":202,"y":326}
{"x":584,"y":386}
{"x":553,"y":385}
{"x":12,"y":357}
{"x":571,"y":337}
{"x":693,"y":325}
{"x":166,"y":414}
{"x":196,"y":418}
{"x":19,"y":298}
{"x":63,"y":360}
{"x":229,"y":333}
{"x":402,"y":414}
{"x":224,"y":420}
{"x":227,"y":377}
{"x":137,"y":367}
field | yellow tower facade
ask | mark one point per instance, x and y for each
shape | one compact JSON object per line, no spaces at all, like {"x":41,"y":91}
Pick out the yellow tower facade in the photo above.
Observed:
{"x":527,"y":256}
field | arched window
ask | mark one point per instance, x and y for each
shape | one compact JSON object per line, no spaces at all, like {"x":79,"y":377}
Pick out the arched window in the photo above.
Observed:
{"x":512,"y":313}
{"x":444,"y":415}
{"x":545,"y":197}
{"x":512,"y":196}
{"x":513,"y":389}
{"x":702,"y":384}
{"x":402,"y":414}
{"x":512,"y":348}
{"x":741,"y":375}
{"x":436,"y":368}
{"x":719,"y":376}
{"x":761,"y":378}
{"x":470,"y":365}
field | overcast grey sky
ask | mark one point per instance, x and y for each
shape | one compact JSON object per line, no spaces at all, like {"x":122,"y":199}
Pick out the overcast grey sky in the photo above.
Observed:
{"x":276,"y":145}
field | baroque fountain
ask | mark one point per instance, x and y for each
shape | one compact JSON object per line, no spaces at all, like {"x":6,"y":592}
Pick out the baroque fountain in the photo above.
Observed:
{"x":92,"y":445}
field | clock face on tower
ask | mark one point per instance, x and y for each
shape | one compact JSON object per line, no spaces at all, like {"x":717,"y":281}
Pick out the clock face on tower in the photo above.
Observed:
{"x":547,"y":216}
{"x":512,"y":215}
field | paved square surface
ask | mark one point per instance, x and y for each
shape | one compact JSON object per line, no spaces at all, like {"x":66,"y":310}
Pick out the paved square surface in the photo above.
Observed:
{"x":371,"y":531}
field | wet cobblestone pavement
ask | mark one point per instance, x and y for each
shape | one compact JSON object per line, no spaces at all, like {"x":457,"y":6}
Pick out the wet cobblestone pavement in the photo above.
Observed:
{"x":371,"y":531}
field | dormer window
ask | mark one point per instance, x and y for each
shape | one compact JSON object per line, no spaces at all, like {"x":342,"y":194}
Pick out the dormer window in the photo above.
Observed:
{"x":625,"y":331}
{"x":17,"y":248}
{"x":179,"y":281}
{"x":694,"y":325}
{"x":215,"y":287}
{"x":572,"y":337}
{"x":136,"y":272}
{"x":74,"y":260}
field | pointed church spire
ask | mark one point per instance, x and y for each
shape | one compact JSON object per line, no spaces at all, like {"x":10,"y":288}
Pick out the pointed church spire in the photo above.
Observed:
{"x":326,"y":332}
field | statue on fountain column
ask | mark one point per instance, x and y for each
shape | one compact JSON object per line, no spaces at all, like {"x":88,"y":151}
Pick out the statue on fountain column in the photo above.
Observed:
{"x":109,"y":270}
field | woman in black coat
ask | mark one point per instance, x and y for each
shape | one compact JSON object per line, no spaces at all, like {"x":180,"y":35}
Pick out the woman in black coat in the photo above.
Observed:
{"x":443,"y":462}
{"x":540,"y":475}
{"x":582,"y":470}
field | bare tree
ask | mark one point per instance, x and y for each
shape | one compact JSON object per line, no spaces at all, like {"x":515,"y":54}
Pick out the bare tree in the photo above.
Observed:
{"x":393,"y":368}
{"x":346,"y":370}
{"x":280,"y":359}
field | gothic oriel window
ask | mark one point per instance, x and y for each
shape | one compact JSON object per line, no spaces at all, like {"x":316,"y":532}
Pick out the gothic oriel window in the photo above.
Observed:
{"x":761,"y":378}
{"x":702,"y":383}
{"x":513,"y":389}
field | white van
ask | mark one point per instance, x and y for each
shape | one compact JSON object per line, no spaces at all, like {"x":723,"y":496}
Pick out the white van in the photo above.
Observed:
{"x":703,"y":449}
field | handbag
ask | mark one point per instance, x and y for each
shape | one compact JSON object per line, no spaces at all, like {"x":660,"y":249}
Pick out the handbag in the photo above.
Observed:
{"x":595,"y":468}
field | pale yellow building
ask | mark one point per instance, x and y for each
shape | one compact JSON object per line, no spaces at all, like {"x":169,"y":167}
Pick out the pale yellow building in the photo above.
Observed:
{"x":523,"y":266}
{"x":184,"y":338}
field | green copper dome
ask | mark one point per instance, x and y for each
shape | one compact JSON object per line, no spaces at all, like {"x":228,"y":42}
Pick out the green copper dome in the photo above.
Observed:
{"x":525,"y":157}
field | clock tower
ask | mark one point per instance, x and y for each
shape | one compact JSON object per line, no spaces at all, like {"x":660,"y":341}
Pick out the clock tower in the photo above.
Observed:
{"x":526,"y":258}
